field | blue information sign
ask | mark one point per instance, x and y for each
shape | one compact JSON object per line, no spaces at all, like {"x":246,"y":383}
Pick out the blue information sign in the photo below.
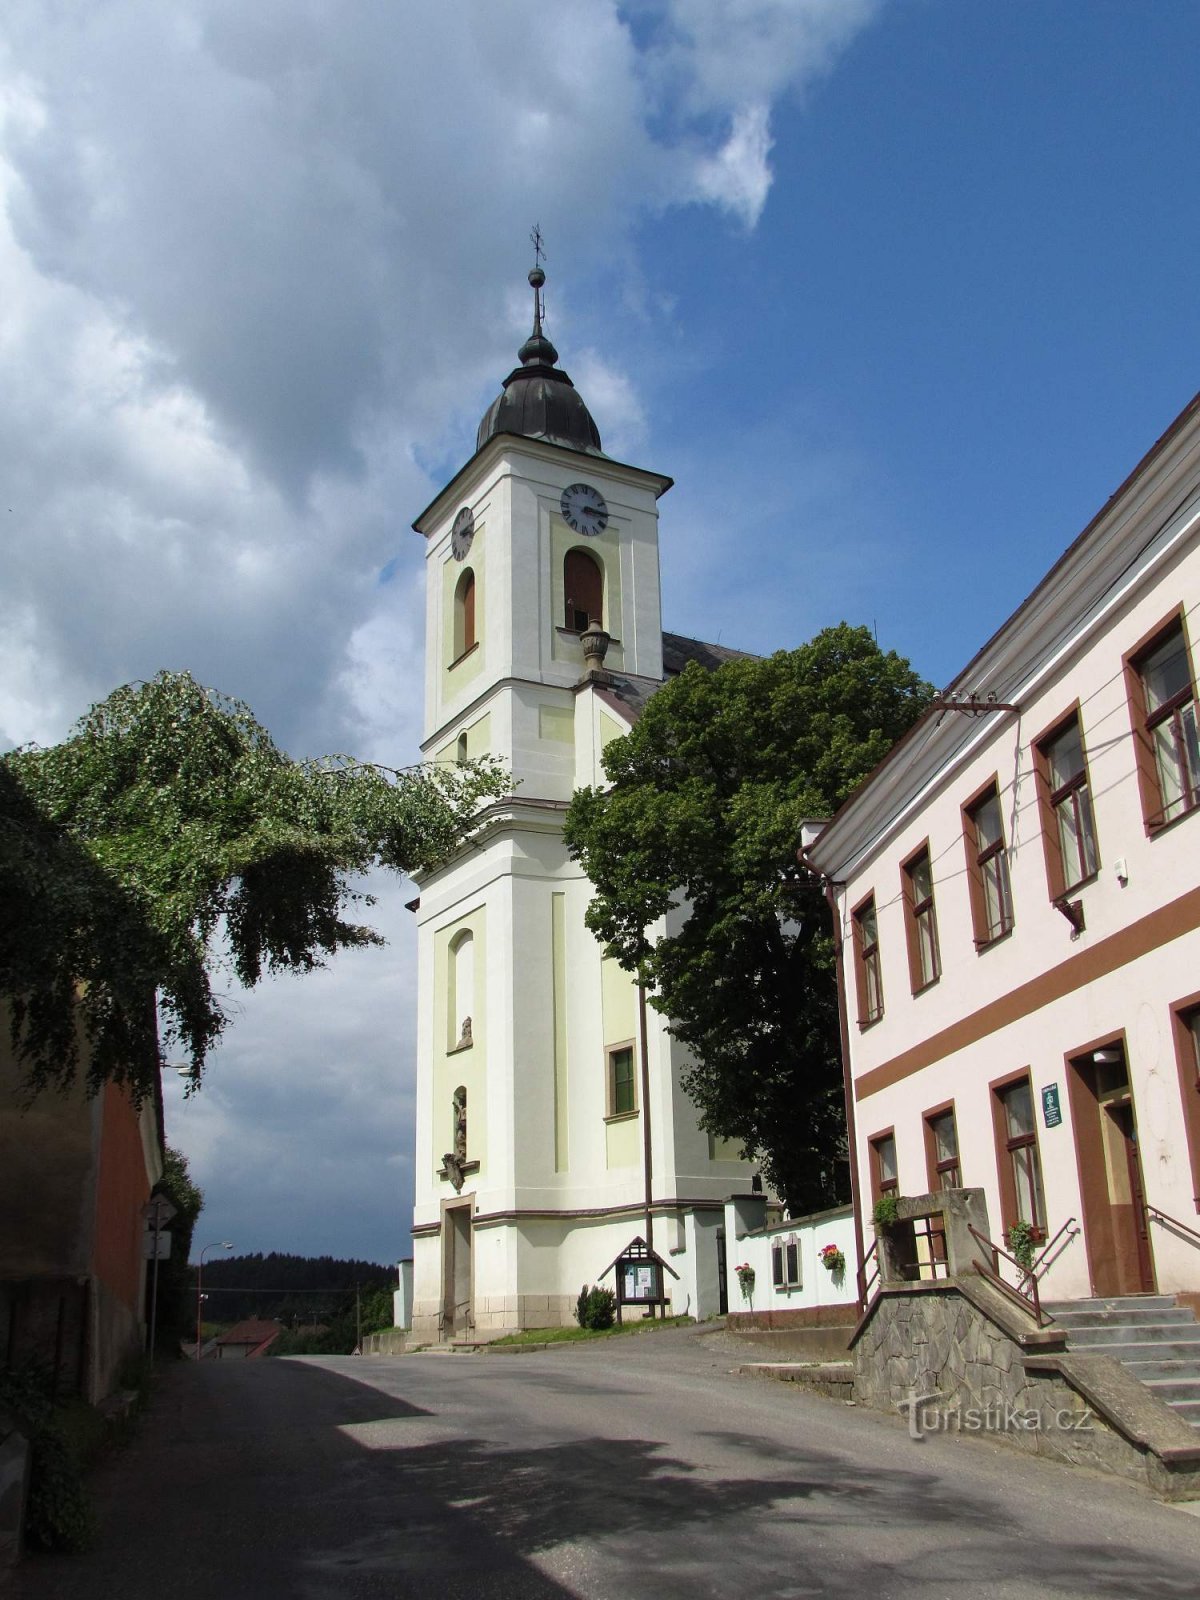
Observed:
{"x":1051,"y":1110}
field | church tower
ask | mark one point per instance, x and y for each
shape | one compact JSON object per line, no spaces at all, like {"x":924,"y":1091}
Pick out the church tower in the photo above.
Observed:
{"x":551,"y":1126}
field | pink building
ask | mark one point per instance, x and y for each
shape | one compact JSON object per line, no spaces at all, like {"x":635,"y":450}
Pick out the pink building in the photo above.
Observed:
{"x":1018,"y":888}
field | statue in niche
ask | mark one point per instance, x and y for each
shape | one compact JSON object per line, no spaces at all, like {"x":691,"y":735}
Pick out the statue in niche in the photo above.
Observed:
{"x":460,"y":1120}
{"x":464,"y":1038}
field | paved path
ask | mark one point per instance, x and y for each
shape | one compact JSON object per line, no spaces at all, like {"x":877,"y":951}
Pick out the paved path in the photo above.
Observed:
{"x":635,"y":1467}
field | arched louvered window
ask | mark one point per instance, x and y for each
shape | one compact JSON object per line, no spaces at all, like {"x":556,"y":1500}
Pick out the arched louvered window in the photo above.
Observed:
{"x":464,"y":614}
{"x":583,"y":588}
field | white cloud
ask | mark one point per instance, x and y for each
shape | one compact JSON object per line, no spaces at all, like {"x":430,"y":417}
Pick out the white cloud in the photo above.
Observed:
{"x":738,"y":176}
{"x":262,"y":266}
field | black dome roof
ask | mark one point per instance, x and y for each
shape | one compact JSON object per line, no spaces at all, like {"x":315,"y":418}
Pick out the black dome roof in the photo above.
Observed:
{"x":538,"y":400}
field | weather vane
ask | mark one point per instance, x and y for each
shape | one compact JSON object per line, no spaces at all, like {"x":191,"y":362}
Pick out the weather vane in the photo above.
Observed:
{"x":537,"y":277}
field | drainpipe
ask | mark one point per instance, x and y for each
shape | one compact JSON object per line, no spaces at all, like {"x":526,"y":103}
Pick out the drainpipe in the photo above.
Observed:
{"x":647,"y":1147}
{"x":827,"y":888}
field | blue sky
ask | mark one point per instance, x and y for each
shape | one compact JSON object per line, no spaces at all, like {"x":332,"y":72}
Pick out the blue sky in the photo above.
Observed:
{"x":898,"y":291}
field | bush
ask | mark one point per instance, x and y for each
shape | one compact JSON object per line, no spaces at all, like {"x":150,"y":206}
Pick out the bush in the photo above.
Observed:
{"x":596,"y":1308}
{"x":58,"y":1515}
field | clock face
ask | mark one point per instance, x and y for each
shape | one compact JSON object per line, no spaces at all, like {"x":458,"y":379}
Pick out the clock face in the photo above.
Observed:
{"x":462,"y":533}
{"x":583,"y":509}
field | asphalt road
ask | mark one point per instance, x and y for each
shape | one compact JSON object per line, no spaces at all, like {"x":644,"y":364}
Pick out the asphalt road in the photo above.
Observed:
{"x":627,"y":1468}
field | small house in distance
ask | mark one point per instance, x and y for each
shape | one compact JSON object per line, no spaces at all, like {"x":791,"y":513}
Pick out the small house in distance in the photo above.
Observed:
{"x":247,"y":1340}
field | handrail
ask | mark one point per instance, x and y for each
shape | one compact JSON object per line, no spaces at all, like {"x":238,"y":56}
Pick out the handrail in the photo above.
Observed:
{"x":864,"y":1283}
{"x":1069,"y":1223}
{"x":1027,"y":1288}
{"x":1174,"y":1222}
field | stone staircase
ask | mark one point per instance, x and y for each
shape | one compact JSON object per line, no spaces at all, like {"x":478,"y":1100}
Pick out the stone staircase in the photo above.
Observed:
{"x":1155,"y":1340}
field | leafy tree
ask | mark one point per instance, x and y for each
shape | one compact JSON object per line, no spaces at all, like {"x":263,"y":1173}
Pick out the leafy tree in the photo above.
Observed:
{"x":167,"y":819}
{"x":700,"y":827}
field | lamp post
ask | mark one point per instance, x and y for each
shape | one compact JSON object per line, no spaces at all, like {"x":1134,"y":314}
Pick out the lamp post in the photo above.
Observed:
{"x":220,"y":1244}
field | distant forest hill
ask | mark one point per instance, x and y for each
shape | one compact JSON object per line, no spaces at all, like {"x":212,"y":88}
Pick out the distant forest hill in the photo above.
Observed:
{"x":296,"y":1290}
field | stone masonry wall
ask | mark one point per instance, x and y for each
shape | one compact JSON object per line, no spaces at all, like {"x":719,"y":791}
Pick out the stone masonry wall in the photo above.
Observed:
{"x":935,"y":1343}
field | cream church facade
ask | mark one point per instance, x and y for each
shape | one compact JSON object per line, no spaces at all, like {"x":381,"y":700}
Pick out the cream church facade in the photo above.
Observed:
{"x":551,"y":1124}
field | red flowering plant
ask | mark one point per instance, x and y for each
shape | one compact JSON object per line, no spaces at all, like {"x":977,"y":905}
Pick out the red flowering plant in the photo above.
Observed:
{"x":832,"y":1258}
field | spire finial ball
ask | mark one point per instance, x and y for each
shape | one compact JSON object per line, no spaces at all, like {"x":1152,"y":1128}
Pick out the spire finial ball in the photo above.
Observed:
{"x":537,"y":277}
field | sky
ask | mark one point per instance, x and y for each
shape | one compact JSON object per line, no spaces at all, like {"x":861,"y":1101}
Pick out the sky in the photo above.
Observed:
{"x":897,"y":291}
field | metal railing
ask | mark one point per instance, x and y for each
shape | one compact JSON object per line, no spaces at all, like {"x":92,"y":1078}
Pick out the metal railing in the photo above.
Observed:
{"x":468,"y":1322}
{"x":866,"y":1282}
{"x":1164,"y":1219}
{"x":1024,"y":1291}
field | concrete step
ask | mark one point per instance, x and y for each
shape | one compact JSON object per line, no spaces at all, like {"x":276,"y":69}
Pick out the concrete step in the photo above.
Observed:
{"x":1076,"y":1318}
{"x":1171,"y":1341}
{"x":1171,"y":1387}
{"x":1154,"y":1339}
{"x":1112,"y":1303}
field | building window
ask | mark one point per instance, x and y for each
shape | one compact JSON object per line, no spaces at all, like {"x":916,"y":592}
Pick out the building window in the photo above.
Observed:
{"x":460,"y":987}
{"x":866,"y":950}
{"x":785,"y":1263}
{"x":464,"y":614}
{"x":622,"y":1081}
{"x":884,"y":1173}
{"x":1022,"y":1199}
{"x":583,"y":589}
{"x":924,"y":958}
{"x":987,"y":858}
{"x":941,"y":1145}
{"x":1069,"y":827}
{"x":1163,"y":705}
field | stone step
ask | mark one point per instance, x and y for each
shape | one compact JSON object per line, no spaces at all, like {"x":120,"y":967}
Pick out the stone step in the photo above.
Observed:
{"x":1166,"y":1342}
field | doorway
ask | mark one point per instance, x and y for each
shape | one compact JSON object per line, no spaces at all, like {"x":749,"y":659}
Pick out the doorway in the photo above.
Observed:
{"x":457,"y":1298}
{"x":722,"y":1274}
{"x":1110,"y":1172}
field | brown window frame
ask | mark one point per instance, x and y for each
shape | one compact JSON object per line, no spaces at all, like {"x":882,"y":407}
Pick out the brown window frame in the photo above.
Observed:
{"x":1187,"y":1056}
{"x":935,"y":1167}
{"x":867,"y":963}
{"x":1144,"y":722}
{"x":612,"y":1114}
{"x":1052,"y":800}
{"x":1006,"y":1147}
{"x":914,"y":911}
{"x":978,"y":861}
{"x":572,"y":613}
{"x":879,"y":1184}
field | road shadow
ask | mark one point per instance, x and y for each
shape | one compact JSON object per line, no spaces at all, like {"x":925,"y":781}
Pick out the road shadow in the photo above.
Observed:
{"x":291,"y":1481}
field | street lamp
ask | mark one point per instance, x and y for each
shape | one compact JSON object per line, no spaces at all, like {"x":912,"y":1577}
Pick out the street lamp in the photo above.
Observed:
{"x":221,"y":1244}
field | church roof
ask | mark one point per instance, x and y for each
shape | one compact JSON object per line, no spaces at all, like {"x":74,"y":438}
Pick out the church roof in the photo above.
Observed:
{"x":629,"y":695}
{"x":678,"y":651}
{"x":538,"y":400}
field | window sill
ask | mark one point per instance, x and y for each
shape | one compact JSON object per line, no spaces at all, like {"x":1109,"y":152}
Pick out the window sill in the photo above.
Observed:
{"x":984,"y":945}
{"x":869,"y":1022}
{"x":788,"y":1288}
{"x":458,"y":660}
{"x":1074,"y":888}
{"x":621,"y":1116}
{"x":1155,"y":830}
{"x":463,"y":1044}
{"x":924,"y":988}
{"x":578,"y":633}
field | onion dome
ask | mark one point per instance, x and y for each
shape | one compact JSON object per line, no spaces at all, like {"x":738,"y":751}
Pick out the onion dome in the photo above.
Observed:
{"x":539,"y":401}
